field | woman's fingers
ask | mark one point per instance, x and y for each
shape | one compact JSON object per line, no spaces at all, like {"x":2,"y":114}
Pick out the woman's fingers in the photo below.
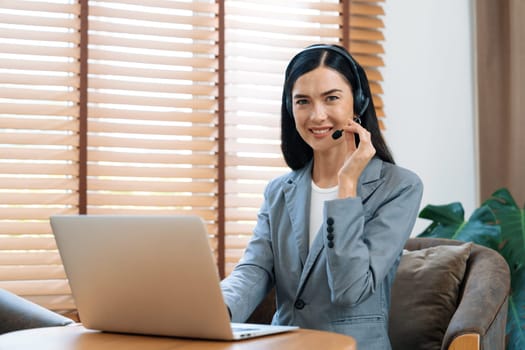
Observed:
{"x":358,"y":156}
{"x":365,"y":141}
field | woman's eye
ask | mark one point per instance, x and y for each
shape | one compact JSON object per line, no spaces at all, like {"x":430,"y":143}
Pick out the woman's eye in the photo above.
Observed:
{"x":332,"y":98}
{"x":301,"y":101}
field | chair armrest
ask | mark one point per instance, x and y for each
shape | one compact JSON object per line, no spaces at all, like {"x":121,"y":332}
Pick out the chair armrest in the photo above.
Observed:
{"x":468,"y":341}
{"x":482,"y":307}
{"x":18,"y":313}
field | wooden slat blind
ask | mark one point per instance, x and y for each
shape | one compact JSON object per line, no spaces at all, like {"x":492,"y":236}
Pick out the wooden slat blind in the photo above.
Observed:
{"x":38,"y":140}
{"x":366,"y":46}
{"x":153,"y":118}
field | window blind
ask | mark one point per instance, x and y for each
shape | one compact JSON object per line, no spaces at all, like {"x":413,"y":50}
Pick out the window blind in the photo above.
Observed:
{"x":366,"y":37}
{"x":152,"y":108}
{"x":38,"y":141}
{"x":160,"y":132}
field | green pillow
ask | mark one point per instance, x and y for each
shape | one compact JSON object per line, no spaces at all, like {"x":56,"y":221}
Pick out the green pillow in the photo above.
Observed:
{"x":425,"y":295}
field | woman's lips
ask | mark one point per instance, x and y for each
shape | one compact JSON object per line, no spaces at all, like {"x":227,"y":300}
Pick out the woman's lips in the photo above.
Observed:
{"x":321,"y":132}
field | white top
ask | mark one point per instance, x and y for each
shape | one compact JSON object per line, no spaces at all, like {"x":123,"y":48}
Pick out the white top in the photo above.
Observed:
{"x":318,"y":197}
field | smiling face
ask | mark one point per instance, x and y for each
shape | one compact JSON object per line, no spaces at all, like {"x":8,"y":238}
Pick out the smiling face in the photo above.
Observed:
{"x":322,"y":103}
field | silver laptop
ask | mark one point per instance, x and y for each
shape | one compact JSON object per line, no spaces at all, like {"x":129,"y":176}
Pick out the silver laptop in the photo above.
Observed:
{"x":150,"y":275}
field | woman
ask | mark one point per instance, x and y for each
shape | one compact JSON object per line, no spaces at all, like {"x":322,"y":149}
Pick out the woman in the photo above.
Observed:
{"x":329,"y":234}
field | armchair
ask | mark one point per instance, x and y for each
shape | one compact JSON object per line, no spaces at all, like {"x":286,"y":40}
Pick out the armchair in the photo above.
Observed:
{"x":17,"y":313}
{"x":478,"y":318}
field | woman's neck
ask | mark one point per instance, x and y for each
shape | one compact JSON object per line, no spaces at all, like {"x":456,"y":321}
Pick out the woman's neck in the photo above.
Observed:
{"x":326,"y":168}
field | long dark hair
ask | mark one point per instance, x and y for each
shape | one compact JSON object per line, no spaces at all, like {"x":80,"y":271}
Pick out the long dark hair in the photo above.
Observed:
{"x":298,"y":153}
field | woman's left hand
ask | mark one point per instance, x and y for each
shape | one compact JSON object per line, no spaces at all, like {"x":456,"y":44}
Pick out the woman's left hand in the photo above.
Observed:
{"x":356,"y":159}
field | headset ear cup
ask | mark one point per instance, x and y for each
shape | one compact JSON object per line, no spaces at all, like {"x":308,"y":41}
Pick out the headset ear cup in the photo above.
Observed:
{"x":363,"y":106}
{"x":359,"y":100}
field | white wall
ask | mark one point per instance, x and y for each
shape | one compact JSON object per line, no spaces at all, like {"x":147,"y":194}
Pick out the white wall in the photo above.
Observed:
{"x":429,"y":97}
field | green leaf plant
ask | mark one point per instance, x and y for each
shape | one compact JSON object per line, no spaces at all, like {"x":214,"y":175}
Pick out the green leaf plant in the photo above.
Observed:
{"x":498,"y":224}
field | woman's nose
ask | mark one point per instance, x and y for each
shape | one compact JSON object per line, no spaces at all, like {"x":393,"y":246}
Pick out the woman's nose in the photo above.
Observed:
{"x":318,"y":112}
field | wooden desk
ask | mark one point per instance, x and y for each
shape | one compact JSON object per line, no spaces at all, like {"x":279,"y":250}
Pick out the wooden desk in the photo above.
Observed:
{"x":76,"y":337}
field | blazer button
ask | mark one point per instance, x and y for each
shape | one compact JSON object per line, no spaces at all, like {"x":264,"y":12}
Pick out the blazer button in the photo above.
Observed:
{"x":329,"y":229}
{"x":330,"y":221}
{"x":330,"y":244}
{"x":330,"y":236}
{"x":299,"y":304}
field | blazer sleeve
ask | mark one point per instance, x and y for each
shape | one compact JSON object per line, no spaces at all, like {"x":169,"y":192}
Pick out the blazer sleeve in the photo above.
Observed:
{"x":363,"y":238}
{"x":252,"y":278}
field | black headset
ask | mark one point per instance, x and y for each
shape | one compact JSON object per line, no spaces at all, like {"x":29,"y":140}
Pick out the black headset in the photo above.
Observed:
{"x":361,"y":101}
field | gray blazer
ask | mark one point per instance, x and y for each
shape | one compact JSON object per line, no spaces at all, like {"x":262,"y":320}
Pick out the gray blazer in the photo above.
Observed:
{"x":342,"y":283}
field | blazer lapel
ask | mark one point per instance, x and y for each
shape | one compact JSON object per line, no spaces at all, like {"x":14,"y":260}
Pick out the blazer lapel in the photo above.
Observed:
{"x":313,"y":255}
{"x":297,"y":198}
